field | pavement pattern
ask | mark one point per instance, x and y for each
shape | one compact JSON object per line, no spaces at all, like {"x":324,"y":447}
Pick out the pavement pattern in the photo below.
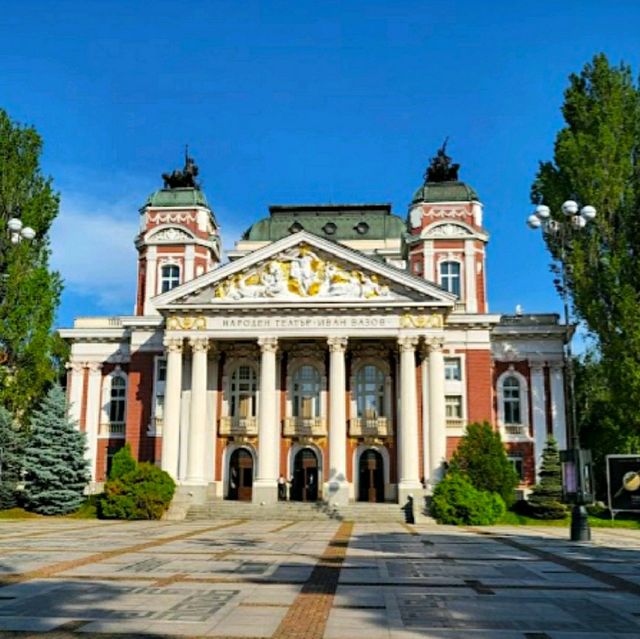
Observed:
{"x":314,"y":580}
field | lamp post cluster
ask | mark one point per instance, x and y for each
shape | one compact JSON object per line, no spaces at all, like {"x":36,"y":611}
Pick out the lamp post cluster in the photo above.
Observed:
{"x":17,"y":233}
{"x":576,"y":462}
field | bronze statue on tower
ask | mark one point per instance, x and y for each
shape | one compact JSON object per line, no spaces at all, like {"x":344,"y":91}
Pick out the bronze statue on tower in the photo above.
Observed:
{"x":441,"y":168}
{"x":185,"y":178}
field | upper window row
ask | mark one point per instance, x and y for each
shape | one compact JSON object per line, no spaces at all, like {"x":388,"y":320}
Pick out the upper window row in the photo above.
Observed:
{"x":169,"y":277}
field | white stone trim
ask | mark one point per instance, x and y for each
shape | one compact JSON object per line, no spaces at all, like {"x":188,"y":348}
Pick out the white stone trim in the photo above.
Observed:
{"x":524,"y":405}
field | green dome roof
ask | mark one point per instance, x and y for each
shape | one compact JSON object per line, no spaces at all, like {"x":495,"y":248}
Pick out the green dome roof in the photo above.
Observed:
{"x":337,"y":222}
{"x":444,"y":192}
{"x":186,"y":196}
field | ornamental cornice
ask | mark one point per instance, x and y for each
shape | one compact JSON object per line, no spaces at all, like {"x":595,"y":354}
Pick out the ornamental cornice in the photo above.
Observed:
{"x":432,"y":320}
{"x":186,"y":322}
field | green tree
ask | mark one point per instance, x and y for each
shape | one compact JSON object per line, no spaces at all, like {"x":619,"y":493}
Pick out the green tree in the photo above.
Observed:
{"x":482,"y":458}
{"x":11,"y":450}
{"x":123,"y":463}
{"x":597,"y":160}
{"x":29,"y":291}
{"x":545,"y":500}
{"x":55,"y":465}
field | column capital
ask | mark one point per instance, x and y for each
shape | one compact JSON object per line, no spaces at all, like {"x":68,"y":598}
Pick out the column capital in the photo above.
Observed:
{"x":75,"y":367}
{"x":94,"y":367}
{"x":536,"y":366}
{"x":407,"y":343}
{"x":556,"y":366}
{"x":173,"y":344}
{"x":268,"y":344}
{"x":434,"y":343}
{"x":337,"y":344}
{"x":199,"y":344}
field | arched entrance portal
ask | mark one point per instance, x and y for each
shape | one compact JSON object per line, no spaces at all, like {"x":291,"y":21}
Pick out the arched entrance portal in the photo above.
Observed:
{"x":240,"y":475}
{"x":371,"y":477}
{"x":305,"y":476}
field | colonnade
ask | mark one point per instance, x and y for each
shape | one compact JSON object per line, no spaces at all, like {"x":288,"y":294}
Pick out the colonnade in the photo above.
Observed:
{"x":265,"y":483}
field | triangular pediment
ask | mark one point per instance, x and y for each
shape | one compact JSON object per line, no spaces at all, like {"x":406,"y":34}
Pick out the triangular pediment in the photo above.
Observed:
{"x":304,"y":269}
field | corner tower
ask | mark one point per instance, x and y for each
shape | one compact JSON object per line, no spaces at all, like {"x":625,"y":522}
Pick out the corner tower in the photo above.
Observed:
{"x":446,"y":241}
{"x":179,"y":237}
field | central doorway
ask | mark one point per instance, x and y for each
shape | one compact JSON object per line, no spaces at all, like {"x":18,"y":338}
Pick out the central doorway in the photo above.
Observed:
{"x":304,"y":486}
{"x":240,"y":475}
{"x":371,"y":477}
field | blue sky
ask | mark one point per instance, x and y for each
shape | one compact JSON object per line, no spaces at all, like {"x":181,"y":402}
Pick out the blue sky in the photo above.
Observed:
{"x":286,"y":102}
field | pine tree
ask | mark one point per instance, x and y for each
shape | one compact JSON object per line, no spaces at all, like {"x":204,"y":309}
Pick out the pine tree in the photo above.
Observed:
{"x":29,"y":291}
{"x":56,"y":469}
{"x":545,"y":500}
{"x":11,"y":450}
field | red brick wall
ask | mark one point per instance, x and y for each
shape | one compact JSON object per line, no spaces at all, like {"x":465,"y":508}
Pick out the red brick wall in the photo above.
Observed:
{"x":139,"y":399}
{"x":526,"y":450}
{"x":479,"y":386}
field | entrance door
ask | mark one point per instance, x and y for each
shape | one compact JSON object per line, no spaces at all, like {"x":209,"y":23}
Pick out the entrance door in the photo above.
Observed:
{"x":240,"y":475}
{"x":371,"y":477}
{"x":305,"y":476}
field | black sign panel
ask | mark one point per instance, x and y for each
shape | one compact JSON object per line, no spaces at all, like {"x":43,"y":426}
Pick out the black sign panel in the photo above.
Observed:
{"x":623,"y":475}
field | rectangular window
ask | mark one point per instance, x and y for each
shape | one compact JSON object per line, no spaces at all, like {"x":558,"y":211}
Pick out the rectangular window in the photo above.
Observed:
{"x":452,"y":368}
{"x":453,"y":406}
{"x":518,"y":465}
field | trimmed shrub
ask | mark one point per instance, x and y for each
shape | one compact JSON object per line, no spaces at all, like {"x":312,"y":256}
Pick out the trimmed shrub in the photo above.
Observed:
{"x":142,"y":493}
{"x":482,"y":458}
{"x":122,"y":463}
{"x":545,"y":500}
{"x":455,"y":501}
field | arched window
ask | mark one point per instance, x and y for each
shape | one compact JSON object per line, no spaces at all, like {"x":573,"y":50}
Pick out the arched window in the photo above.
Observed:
{"x":511,"y":400}
{"x":450,"y":277}
{"x":169,"y":277}
{"x":244,"y":385}
{"x":306,"y":392}
{"x":370,"y":392}
{"x":117,"y":401}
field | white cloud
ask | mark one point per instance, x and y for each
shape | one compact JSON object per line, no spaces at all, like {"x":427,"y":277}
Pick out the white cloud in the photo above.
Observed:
{"x":92,"y":247}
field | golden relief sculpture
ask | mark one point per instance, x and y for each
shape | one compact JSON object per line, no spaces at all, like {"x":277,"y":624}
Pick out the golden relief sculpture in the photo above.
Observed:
{"x":182,"y":323}
{"x":300,"y":273}
{"x":421,"y":321}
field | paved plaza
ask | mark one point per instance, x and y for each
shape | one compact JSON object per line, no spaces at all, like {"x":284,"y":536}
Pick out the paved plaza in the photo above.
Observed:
{"x":306,"y":580}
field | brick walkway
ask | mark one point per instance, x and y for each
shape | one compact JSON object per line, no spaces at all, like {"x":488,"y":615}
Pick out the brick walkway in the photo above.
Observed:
{"x":314,"y":580}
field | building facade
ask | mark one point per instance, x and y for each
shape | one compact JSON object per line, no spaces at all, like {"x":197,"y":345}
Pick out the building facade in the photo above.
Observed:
{"x":340,"y":346}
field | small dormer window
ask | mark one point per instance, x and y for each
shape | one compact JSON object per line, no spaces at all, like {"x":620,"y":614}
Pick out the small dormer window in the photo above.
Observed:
{"x":170,"y":277}
{"x":296,"y":227}
{"x":330,"y":228}
{"x":361,"y":227}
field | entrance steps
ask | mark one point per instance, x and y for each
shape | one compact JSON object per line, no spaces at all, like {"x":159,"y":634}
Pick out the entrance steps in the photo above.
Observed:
{"x":298,"y":511}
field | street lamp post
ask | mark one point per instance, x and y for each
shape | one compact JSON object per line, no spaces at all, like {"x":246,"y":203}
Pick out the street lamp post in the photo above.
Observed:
{"x":17,"y":233}
{"x":576,"y":462}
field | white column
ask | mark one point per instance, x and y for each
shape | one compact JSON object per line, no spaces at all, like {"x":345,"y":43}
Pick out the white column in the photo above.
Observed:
{"x":338,"y":488}
{"x":150,"y":284}
{"x":424,"y":365}
{"x":212,"y":417}
{"x":265,"y":488}
{"x":538,"y":411}
{"x":93,"y":414}
{"x":75,"y":393}
{"x":172,"y":397}
{"x":189,"y":263}
{"x":437,"y":415}
{"x":409,"y":482}
{"x":558,"y":409}
{"x":470,"y":293}
{"x":198,"y":412}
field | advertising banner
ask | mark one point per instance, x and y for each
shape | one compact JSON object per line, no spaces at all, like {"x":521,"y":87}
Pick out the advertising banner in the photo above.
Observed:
{"x":623,"y":479}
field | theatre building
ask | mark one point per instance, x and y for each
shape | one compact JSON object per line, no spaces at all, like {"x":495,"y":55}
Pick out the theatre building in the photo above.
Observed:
{"x":340,"y":346}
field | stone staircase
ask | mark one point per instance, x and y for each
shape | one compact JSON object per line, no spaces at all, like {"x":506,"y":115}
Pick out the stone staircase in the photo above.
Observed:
{"x":298,"y":511}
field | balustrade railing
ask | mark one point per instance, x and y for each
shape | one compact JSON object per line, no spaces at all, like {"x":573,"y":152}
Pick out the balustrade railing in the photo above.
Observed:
{"x":238,"y":426}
